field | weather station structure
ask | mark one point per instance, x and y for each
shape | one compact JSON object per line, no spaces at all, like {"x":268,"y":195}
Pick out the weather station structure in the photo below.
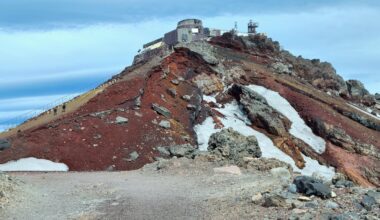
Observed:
{"x":187,"y":31}
{"x":252,"y":26}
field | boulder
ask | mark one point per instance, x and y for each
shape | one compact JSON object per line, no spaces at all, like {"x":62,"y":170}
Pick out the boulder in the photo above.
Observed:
{"x":266,"y":164}
{"x":133,"y":156}
{"x":208,"y":84}
{"x":121,"y":120}
{"x":4,"y":144}
{"x":274,"y":201}
{"x":356,"y":88}
{"x":202,"y":48}
{"x":260,"y":112}
{"x":312,"y":186}
{"x":161,"y":110}
{"x":331,"y":205}
{"x":184,"y":150}
{"x":164,"y":124}
{"x":368,"y":202}
{"x":231,"y":145}
{"x":163,"y":151}
{"x":172,"y":92}
{"x":281,"y":68}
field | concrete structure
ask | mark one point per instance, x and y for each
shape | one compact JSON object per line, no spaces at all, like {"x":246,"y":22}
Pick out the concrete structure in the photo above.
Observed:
{"x":187,"y":31}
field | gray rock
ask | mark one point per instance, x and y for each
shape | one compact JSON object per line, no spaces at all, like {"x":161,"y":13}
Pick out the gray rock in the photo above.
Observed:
{"x":260,"y":112}
{"x":181,"y":150}
{"x":204,"y":49}
{"x":374,"y":194}
{"x":274,"y":201}
{"x":164,"y":124}
{"x":292,"y":188}
{"x":161,"y":110}
{"x":175,"y":81}
{"x":133,"y":156}
{"x":344,"y":216}
{"x":356,"y":88}
{"x":313,"y":204}
{"x":163,"y":151}
{"x":191,"y":107}
{"x":101,"y":114}
{"x":233,"y":146}
{"x":281,"y":173}
{"x":4,"y":144}
{"x":281,"y":68}
{"x":265,"y":164}
{"x":367,"y":202}
{"x":311,"y":186}
{"x":121,"y":120}
{"x":186,"y":97}
{"x":331,"y":205}
{"x":172,"y":92}
{"x":343,"y":184}
{"x":138,"y":101}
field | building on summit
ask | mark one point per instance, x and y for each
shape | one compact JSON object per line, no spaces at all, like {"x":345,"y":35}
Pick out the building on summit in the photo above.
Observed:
{"x":188,"y":30}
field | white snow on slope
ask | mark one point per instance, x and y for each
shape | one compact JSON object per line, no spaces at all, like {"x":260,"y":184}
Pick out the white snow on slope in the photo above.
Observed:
{"x":365,"y":112}
{"x":236,"y":119}
{"x":33,"y":164}
{"x":298,"y":128}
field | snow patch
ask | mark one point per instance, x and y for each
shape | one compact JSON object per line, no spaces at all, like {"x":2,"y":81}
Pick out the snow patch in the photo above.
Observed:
{"x":209,"y":98}
{"x":365,"y":112}
{"x":236,"y":119}
{"x":33,"y":164}
{"x":298,"y":128}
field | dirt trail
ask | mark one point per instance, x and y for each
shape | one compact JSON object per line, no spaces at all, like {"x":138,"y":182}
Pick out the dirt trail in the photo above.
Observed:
{"x":142,"y":194}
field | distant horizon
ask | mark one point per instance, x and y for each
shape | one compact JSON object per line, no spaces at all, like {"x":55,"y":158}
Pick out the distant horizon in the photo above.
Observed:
{"x":63,"y":48}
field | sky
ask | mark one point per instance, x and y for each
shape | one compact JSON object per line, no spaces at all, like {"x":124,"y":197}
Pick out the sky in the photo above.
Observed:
{"x":51,"y":51}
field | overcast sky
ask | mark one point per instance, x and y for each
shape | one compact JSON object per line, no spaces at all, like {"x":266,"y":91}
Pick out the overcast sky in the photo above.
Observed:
{"x":50,"y":50}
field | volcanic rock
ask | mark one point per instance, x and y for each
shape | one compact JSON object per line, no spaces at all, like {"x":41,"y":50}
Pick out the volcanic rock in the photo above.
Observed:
{"x":231,"y":145}
{"x":161,"y":110}
{"x":184,"y":150}
{"x":260,"y":112}
{"x":356,"y":89}
{"x":274,"y":201}
{"x":121,"y":120}
{"x":4,"y":144}
{"x":311,"y":186}
{"x":164,"y":124}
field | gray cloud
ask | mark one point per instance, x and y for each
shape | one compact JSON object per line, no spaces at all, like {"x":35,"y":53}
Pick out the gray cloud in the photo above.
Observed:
{"x":57,"y":13}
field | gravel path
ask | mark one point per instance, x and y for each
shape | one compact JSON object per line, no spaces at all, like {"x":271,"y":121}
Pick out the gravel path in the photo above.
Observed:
{"x":178,"y":194}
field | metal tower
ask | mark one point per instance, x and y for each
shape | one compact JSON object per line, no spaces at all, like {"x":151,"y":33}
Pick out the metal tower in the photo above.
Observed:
{"x":252,"y":27}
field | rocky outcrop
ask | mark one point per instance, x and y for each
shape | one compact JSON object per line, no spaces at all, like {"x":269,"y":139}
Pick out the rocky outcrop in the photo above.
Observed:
{"x":209,"y":84}
{"x":359,"y":93}
{"x":260,"y":112}
{"x":206,"y":50}
{"x":340,"y":138}
{"x":356,"y":89}
{"x":321,"y":75}
{"x":4,"y":144}
{"x":230,"y":145}
{"x":282,"y":68}
{"x":265,"y":164}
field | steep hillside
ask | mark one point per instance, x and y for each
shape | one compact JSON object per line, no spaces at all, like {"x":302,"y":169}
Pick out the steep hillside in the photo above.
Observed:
{"x":167,"y":101}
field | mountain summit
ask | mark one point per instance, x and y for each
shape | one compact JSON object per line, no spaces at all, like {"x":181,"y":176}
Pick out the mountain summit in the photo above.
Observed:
{"x":196,"y":82}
